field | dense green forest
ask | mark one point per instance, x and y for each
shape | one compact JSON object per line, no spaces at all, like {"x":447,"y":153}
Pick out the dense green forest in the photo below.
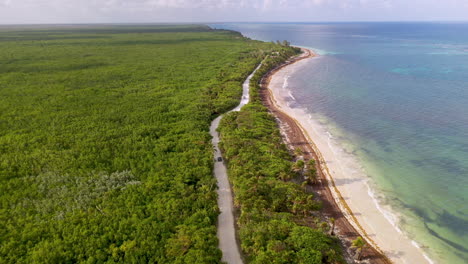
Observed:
{"x":272,"y":208}
{"x":105,"y":154}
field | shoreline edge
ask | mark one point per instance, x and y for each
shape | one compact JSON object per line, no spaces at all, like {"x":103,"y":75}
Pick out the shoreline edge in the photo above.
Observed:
{"x":335,"y":205}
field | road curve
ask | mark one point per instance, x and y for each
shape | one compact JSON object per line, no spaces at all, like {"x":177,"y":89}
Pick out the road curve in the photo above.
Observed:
{"x":226,"y":229}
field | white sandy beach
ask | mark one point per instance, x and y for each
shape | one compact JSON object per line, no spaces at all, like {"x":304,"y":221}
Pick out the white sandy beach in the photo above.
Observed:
{"x":349,"y":183}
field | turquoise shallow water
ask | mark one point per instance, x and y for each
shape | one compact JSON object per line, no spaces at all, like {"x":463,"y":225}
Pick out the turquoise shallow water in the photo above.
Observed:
{"x":396,"y":95}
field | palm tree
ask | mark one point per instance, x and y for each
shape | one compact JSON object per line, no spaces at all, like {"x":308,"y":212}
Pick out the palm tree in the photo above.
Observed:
{"x":311,"y":175}
{"x":284,"y":176}
{"x":332,"y":228}
{"x":324,"y":226}
{"x":298,"y":166}
{"x":311,"y":163}
{"x":359,"y":245}
{"x":303,"y":204}
{"x":311,"y":171}
{"x":298,"y":152}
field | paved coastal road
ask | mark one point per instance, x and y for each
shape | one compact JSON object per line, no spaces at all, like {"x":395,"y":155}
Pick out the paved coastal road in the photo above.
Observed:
{"x":226,"y":229}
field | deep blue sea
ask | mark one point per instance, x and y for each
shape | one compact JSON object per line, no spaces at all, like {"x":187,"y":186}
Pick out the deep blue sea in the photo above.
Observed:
{"x":396,"y":95}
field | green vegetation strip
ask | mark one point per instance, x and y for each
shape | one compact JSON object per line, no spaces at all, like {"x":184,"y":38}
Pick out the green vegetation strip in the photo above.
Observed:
{"x":272,"y":208}
{"x":105,"y":154}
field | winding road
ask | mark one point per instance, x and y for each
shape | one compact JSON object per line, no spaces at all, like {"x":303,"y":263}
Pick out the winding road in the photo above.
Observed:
{"x":226,"y":228}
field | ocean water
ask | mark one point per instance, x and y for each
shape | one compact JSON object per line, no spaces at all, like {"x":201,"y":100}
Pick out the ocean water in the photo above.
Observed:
{"x":395,"y":95}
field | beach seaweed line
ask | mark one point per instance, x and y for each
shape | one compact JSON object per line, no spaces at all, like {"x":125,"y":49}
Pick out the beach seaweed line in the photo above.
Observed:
{"x":339,"y":200}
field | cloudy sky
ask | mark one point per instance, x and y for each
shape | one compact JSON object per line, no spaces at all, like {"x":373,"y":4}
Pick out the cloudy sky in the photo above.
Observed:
{"x":134,"y":11}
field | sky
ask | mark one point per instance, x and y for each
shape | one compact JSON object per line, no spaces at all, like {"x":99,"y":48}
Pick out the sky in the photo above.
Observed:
{"x":155,"y":11}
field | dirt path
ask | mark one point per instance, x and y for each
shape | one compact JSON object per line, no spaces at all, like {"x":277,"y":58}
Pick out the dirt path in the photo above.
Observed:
{"x":226,"y":228}
{"x":296,"y":139}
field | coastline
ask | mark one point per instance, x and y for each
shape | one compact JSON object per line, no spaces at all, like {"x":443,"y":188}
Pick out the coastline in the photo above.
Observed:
{"x":351,"y":202}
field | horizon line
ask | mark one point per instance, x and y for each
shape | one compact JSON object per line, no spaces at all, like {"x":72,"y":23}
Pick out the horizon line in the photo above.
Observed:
{"x":231,"y":22}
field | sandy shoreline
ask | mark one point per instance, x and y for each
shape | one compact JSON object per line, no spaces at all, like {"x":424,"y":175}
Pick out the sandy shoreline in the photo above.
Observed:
{"x":342,"y":185}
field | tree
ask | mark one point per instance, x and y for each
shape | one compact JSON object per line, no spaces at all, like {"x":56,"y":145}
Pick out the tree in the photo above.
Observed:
{"x":311,"y":171}
{"x":303,"y":203}
{"x":332,"y":226}
{"x":324,"y":226}
{"x":309,"y":256}
{"x":298,"y":152}
{"x":311,"y":163}
{"x":284,"y":176}
{"x":298,"y":166}
{"x":332,"y":256}
{"x":359,"y":243}
{"x":311,"y":175}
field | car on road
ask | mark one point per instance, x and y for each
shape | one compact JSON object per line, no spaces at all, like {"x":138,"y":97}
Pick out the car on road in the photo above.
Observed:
{"x":220,"y":159}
